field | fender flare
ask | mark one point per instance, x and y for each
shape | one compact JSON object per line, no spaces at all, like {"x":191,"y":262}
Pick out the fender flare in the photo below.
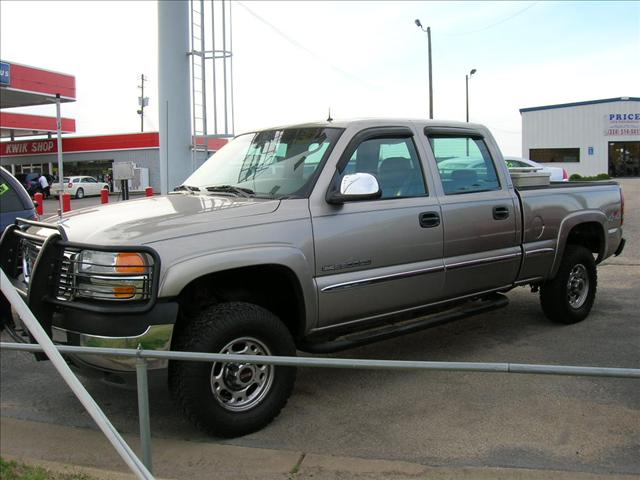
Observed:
{"x":569,"y":223}
{"x":179,"y":274}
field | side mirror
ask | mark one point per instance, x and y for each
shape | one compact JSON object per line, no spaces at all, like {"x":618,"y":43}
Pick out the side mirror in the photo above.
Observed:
{"x":355,"y":187}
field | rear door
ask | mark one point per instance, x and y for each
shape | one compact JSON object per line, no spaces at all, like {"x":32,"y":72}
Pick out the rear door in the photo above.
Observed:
{"x":379,"y":256}
{"x":479,"y":213}
{"x":92,"y":186}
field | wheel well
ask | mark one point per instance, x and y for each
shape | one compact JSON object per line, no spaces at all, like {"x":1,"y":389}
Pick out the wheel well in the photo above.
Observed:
{"x":589,"y":235}
{"x":273,"y":287}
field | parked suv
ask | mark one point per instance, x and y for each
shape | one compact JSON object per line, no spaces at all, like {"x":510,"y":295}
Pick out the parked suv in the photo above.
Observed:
{"x":14,"y":200}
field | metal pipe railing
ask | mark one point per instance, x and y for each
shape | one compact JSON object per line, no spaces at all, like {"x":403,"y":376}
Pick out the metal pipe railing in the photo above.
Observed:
{"x":47,"y":346}
{"x":352,"y":363}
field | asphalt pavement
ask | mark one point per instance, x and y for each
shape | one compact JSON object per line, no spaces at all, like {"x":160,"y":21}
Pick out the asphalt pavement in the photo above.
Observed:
{"x":581,"y":426}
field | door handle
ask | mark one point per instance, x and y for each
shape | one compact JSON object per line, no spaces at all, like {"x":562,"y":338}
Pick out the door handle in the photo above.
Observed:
{"x":429,"y":219}
{"x":500,"y":213}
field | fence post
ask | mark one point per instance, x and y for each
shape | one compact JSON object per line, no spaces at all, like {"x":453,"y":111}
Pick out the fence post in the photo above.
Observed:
{"x":143,"y":411}
{"x":69,"y":377}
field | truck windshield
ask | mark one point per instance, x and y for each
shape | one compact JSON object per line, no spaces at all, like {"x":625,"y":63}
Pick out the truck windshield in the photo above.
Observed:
{"x":275,"y":163}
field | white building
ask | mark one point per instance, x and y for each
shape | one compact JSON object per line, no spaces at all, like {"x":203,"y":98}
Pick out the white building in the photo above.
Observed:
{"x":598,"y":136}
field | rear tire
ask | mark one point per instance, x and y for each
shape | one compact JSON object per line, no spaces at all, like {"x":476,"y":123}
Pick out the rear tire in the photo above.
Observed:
{"x":569,"y":297}
{"x":232,"y":399}
{"x":80,"y":193}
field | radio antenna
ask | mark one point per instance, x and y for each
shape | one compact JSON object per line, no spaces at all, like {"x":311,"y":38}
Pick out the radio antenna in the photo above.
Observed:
{"x":329,"y":119}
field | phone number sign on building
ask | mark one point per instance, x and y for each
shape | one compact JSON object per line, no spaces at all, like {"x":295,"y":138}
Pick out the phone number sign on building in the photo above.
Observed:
{"x":622,"y":124}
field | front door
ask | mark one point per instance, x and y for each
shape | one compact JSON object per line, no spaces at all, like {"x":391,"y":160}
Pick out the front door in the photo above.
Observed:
{"x":380,"y":256}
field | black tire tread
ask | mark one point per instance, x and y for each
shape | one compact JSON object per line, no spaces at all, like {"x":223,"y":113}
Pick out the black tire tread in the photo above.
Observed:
{"x":553,"y":293}
{"x":207,"y":324}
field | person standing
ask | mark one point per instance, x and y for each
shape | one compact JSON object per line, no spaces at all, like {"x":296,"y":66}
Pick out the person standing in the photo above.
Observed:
{"x":44,"y":185}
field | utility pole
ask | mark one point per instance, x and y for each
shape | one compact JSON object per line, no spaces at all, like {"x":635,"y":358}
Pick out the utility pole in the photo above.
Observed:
{"x":142,"y":101}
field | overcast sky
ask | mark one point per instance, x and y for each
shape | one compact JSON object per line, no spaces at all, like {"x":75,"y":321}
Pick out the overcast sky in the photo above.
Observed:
{"x":294,"y":60}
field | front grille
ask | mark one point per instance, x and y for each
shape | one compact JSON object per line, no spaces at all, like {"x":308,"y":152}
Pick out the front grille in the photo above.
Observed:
{"x":29,"y":253}
{"x":65,"y":276}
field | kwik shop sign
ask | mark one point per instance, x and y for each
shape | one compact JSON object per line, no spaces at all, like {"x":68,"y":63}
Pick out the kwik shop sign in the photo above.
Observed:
{"x":622,"y":124}
{"x":36,"y":147}
{"x":5,"y":73}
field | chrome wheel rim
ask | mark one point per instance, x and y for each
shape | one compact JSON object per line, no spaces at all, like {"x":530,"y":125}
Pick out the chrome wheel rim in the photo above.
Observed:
{"x":238,"y":387}
{"x":578,"y":286}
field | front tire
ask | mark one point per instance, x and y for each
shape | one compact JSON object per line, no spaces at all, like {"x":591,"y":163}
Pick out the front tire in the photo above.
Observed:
{"x":232,"y":399}
{"x":80,"y":193}
{"x":569,"y":297}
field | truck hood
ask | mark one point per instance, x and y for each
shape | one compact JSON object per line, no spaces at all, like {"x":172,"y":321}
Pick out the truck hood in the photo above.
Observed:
{"x":156,"y":218}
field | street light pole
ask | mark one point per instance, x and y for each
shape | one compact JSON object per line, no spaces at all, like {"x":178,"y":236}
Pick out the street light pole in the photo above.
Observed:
{"x":428,"y":30}
{"x":466,"y":80}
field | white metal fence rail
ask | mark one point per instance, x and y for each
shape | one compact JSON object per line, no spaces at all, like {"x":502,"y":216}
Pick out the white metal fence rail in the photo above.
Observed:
{"x":143,"y":469}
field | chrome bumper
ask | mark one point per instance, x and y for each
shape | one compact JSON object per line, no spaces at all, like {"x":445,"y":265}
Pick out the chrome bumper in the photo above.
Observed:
{"x":155,"y":337}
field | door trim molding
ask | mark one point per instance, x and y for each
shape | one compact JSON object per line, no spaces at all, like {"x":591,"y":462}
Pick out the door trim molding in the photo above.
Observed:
{"x":382,"y":278}
{"x":481,"y":261}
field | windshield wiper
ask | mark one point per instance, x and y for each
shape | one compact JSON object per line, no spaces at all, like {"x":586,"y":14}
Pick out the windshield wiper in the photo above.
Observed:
{"x":188,"y":188}
{"x":239,"y":191}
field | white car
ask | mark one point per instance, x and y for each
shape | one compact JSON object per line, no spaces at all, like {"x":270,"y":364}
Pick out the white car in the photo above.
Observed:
{"x":557,"y":174}
{"x":79,"y":186}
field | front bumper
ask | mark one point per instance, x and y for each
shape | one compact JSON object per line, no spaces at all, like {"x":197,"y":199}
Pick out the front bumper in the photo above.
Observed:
{"x":148,"y":324}
{"x":155,"y":337}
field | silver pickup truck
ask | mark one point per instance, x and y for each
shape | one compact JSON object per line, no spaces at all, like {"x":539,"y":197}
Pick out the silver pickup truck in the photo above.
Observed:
{"x":315,"y":237}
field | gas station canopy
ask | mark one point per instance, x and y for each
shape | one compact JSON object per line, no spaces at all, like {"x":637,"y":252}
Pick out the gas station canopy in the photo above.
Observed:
{"x":23,"y":125}
{"x":23,"y":86}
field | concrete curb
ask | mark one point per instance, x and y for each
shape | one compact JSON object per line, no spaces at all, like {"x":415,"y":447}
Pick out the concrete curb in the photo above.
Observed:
{"x":68,"y":449}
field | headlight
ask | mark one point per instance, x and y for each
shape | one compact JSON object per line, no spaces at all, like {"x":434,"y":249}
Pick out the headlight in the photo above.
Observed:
{"x":113,"y":275}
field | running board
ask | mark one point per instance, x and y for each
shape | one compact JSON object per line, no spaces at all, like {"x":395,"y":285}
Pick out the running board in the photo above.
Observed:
{"x":386,"y":332}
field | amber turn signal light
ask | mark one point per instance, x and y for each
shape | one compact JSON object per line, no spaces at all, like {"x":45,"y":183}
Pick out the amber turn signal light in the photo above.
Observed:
{"x":129,"y":262}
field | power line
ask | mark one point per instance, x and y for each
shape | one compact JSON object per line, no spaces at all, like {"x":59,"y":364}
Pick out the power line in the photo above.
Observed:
{"x":495,"y":23}
{"x":307,"y":50}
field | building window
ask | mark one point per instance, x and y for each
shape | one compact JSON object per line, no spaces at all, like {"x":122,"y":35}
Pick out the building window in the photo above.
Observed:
{"x":554,"y":155}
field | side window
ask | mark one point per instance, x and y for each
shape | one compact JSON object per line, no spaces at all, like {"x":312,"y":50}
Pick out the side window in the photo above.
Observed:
{"x":394,"y":162}
{"x":9,"y":198}
{"x":90,"y":180}
{"x":464,"y":164}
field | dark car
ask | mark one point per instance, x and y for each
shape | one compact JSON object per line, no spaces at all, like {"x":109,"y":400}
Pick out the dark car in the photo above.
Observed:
{"x":31,"y":183}
{"x":14,"y":200}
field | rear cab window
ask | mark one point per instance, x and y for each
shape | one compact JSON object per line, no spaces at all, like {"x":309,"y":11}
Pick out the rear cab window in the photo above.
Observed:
{"x":464,"y":163}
